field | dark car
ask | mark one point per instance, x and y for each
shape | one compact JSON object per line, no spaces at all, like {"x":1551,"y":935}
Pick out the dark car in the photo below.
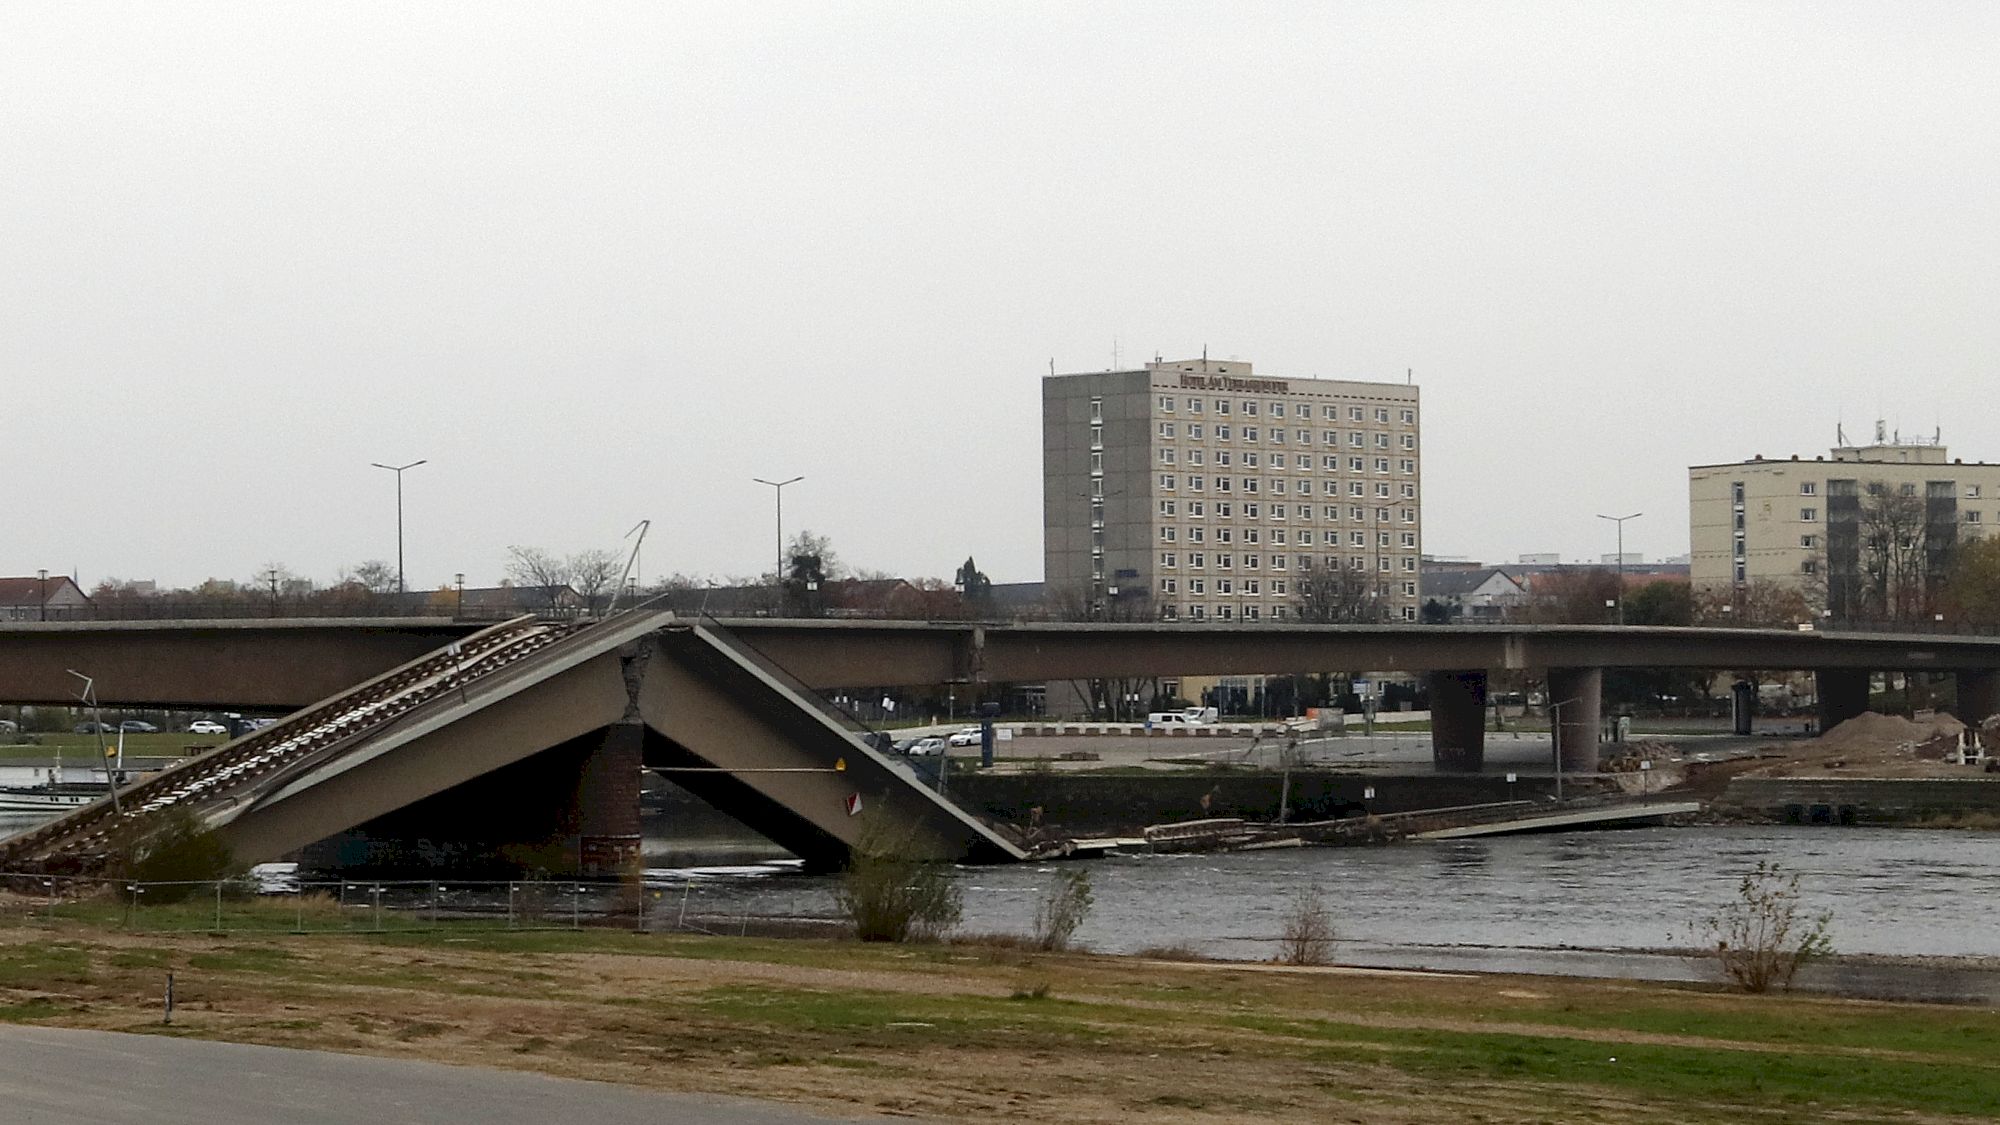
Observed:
{"x":94,"y":728}
{"x":136,"y":726}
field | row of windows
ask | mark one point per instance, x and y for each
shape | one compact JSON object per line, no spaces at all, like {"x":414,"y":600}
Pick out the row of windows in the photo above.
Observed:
{"x":1247,"y":612}
{"x":1251,"y":486}
{"x":1224,"y":560}
{"x":1171,"y":456}
{"x":1276,"y":435}
{"x":1171,"y":508}
{"x":1276,"y":587}
{"x":1273,"y":409}
{"x":1249,"y":535}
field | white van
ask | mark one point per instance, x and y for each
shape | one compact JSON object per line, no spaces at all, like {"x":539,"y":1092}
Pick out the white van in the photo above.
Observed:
{"x":1191,"y":717}
{"x":1200,"y":715}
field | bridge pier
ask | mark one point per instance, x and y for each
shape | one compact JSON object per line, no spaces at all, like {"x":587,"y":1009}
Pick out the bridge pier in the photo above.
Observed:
{"x":1458,"y":720}
{"x":1843,"y":694}
{"x":1978,"y":695}
{"x":606,"y":810}
{"x":1576,"y":699}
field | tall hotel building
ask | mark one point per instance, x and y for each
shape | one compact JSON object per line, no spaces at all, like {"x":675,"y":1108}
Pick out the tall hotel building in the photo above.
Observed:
{"x":1194,"y":490}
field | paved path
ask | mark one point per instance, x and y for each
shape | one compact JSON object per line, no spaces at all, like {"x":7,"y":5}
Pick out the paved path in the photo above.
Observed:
{"x":56,"y":1076}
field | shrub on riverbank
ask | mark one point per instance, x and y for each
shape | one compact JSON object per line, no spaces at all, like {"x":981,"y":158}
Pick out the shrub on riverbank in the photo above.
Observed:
{"x":1760,"y":938}
{"x":892,"y":895}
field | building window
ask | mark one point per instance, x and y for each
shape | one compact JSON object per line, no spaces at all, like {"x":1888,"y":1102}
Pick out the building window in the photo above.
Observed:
{"x":1166,"y":404}
{"x":1097,"y":437}
{"x":1808,"y":488}
{"x":1222,"y":484}
{"x":1277,"y":562}
{"x":1197,"y":509}
{"x":1222,"y":433}
{"x":1808,"y":515}
{"x":1357,"y":440}
{"x":1808,"y":542}
{"x":1225,"y":562}
{"x":1357,"y":464}
{"x":1329,"y":437}
{"x":1409,"y":613}
{"x":1222,"y":510}
{"x":1167,"y":534}
{"x":1168,"y":559}
{"x":1194,"y":484}
{"x":1409,"y":589}
{"x":1197,"y":560}
{"x":1305,"y":436}
{"x":1251,"y":535}
{"x":1250,"y":562}
{"x":1354,"y":414}
{"x":1222,"y":457}
{"x":1972,"y":492}
{"x":1194,"y":431}
{"x":1409,"y":515}
{"x":1407,"y":466}
{"x":1381,"y":464}
{"x":1357,"y":538}
{"x":1304,"y":462}
{"x":1250,"y":611}
{"x":1409,"y":492}
{"x":1382,"y":490}
{"x":1225,"y":585}
{"x":1167,"y":430}
{"x":1197,"y":613}
{"x":1195,"y":457}
{"x":1167,"y":482}
{"x":1277,"y":613}
{"x":1166,"y":455}
{"x":1097,"y":410}
{"x":1249,"y":433}
{"x":1197,"y":585}
{"x":1278,"y":585}
{"x":1409,"y":539}
{"x":1097,"y":463}
{"x":1381,"y":441}
{"x":1907,"y":489}
{"x":1224,"y":612}
{"x":1409,"y":441}
{"x":1222,"y":406}
{"x":1356,"y":488}
{"x":1277,"y":410}
{"x":1167,"y":507}
{"x":1249,"y":408}
{"x":1278,"y":536}
{"x":1410,"y":563}
{"x":1277,"y":435}
{"x":1381,"y":414}
{"x":1809,"y":566}
{"x":1971,"y":516}
{"x":1170,"y":586}
{"x":1195,"y":534}
{"x":1250,"y":460}
{"x":1409,"y":417}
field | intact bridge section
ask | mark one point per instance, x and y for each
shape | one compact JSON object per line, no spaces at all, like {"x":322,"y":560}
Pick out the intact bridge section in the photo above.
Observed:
{"x":523,"y":743}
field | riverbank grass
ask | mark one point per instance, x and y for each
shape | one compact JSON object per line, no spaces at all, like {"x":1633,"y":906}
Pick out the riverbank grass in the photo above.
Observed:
{"x":964,"y":1032}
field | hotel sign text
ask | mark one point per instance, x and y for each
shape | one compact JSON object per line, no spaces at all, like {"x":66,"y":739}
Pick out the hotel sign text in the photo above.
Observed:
{"x":1227,"y":383}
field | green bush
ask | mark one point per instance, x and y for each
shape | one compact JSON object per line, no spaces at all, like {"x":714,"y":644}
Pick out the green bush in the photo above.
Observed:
{"x":890,"y":894}
{"x":1063,"y":907}
{"x":179,"y":851}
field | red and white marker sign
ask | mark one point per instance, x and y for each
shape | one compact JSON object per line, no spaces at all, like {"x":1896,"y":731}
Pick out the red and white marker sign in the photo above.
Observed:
{"x":854,"y":804}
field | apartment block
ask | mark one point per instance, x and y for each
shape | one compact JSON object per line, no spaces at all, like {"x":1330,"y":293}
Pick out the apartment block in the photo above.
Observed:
{"x":1837,"y":525}
{"x":1198,"y":490}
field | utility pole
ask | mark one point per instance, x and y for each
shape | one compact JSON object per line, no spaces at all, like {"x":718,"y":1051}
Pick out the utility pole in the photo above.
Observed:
{"x":398,"y":470}
{"x":1620,"y":521}
{"x":778,"y":489}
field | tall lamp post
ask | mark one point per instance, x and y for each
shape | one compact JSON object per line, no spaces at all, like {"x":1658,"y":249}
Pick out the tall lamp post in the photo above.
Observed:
{"x":42,"y":576}
{"x":398,"y":470}
{"x":778,"y":489}
{"x":1620,"y":521}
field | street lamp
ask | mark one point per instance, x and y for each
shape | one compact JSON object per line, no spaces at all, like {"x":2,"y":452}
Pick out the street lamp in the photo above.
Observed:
{"x":778,"y":491}
{"x":1620,"y":521}
{"x":458,"y":580}
{"x":398,"y":470}
{"x":42,"y":576}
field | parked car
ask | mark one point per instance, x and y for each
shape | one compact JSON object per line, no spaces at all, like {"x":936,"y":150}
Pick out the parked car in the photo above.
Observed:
{"x":138,"y":726}
{"x":965,"y":736}
{"x":926,"y":748}
{"x":93,"y":728}
{"x":207,"y":726}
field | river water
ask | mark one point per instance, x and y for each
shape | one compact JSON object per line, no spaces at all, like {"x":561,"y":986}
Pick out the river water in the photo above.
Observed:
{"x":1584,"y":903}
{"x":1587,"y":903}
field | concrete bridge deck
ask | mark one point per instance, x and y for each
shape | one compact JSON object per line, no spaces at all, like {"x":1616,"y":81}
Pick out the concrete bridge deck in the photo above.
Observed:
{"x":643,"y":687}
{"x":1622,"y":815}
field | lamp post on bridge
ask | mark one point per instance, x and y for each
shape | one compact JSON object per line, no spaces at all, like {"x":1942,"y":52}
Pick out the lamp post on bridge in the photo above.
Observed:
{"x":1620,"y":521}
{"x":778,"y":492}
{"x":401,"y":588}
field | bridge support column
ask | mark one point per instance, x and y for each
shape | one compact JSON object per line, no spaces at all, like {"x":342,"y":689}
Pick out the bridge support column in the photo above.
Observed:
{"x":1576,"y":698}
{"x":1458,"y":721}
{"x":607,"y":802}
{"x":1843,"y":694}
{"x":1978,"y":696}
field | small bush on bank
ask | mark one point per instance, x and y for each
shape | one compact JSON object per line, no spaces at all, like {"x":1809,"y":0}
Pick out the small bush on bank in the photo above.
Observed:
{"x":891,"y":894}
{"x":177,"y":852}
{"x":1307,"y":937}
{"x":1062,"y":909}
{"x":1760,"y":938}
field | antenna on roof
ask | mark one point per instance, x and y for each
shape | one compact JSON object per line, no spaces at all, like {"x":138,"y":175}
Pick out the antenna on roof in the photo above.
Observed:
{"x":1114,"y":351}
{"x":1409,"y":376}
{"x":1052,"y":367}
{"x":1839,"y":432}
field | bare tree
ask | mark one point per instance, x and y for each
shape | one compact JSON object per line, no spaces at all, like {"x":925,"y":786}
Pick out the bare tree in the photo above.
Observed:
{"x":1336,"y":595}
{"x":546,"y":574}
{"x":375,"y":576}
{"x":591,"y":573}
{"x":1895,"y":569}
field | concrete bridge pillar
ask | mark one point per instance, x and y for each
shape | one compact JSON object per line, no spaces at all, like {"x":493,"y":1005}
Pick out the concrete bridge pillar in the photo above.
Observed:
{"x":1978,"y":696}
{"x":1576,"y":701}
{"x":1458,"y":720}
{"x":607,"y":801}
{"x":1843,"y":694}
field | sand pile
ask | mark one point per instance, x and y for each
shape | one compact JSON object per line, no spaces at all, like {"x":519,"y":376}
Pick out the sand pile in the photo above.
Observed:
{"x":1873,"y":744}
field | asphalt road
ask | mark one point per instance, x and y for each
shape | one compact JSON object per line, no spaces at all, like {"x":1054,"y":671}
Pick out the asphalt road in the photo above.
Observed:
{"x":56,"y":1075}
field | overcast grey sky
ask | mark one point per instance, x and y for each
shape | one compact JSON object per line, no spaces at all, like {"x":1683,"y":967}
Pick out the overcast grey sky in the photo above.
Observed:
{"x":601,"y":263}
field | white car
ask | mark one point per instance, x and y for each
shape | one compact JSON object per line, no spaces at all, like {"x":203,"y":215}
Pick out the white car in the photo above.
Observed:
{"x":926,"y":747}
{"x":968,"y":736}
{"x":207,"y":726}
